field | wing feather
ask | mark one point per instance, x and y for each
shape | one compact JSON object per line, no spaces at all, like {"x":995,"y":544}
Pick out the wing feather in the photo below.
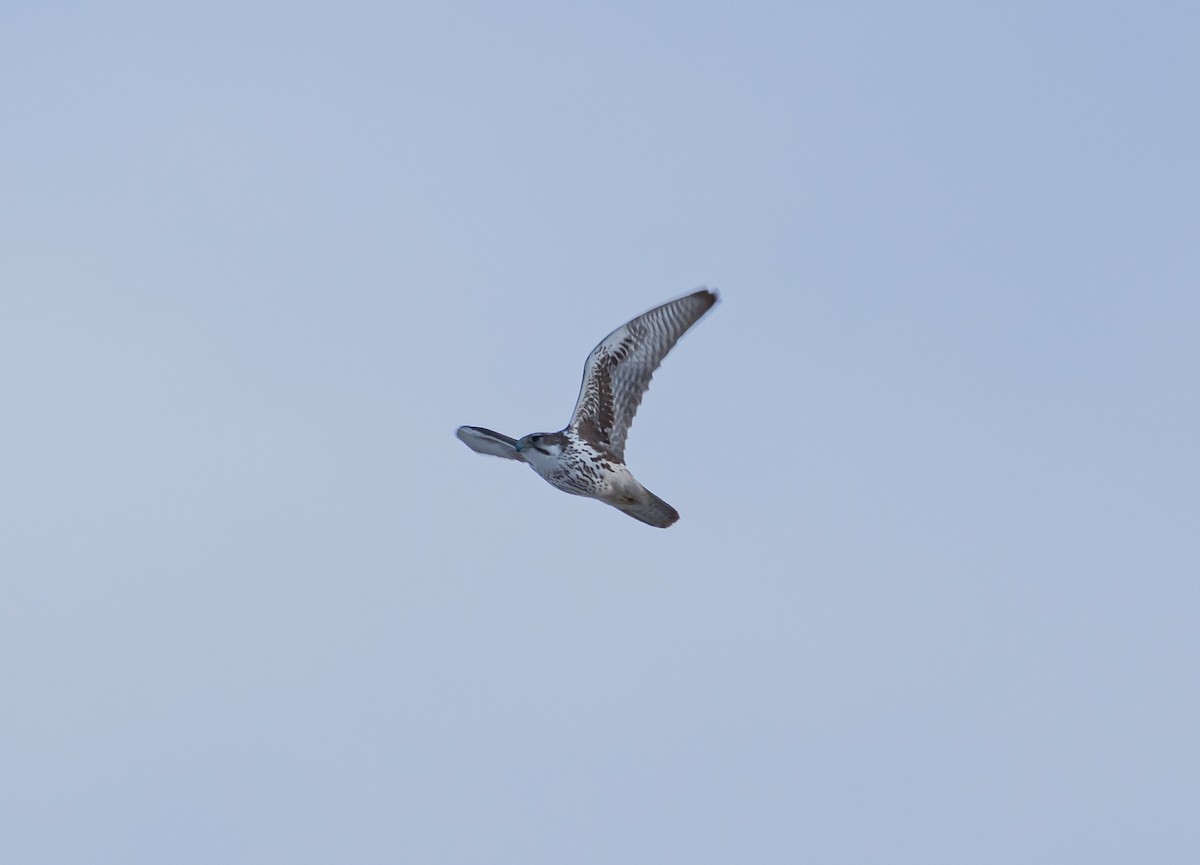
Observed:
{"x":619,"y":369}
{"x":486,"y":441}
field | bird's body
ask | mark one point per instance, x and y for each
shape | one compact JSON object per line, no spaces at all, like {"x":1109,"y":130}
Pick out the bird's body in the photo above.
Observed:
{"x":587,"y":457}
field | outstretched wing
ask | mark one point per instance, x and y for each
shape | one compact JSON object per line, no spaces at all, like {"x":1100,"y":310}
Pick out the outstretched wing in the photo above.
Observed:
{"x":618,"y":370}
{"x":486,"y":441}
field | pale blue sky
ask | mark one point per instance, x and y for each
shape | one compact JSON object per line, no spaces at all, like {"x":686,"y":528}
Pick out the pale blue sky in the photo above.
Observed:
{"x":933,"y":597}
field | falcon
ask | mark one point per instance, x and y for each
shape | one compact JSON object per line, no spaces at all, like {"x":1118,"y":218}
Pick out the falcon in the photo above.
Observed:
{"x":587,"y":457}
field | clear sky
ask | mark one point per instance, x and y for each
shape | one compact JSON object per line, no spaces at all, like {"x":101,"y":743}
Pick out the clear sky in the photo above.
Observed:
{"x":934,"y":595}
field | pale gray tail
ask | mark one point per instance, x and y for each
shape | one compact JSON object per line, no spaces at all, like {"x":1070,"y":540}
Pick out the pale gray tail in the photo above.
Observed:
{"x":653,"y":511}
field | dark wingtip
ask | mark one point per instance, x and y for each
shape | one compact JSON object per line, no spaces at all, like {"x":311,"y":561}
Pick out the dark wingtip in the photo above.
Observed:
{"x":711,"y":294}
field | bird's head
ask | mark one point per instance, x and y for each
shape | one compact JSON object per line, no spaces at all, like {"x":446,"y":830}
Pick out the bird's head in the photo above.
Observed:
{"x":539,"y":445}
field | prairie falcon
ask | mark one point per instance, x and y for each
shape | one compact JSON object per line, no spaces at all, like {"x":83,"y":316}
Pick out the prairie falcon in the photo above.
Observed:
{"x":587,"y":458}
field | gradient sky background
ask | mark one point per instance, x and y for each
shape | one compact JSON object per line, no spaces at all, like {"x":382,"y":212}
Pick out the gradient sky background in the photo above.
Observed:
{"x":934,"y":596}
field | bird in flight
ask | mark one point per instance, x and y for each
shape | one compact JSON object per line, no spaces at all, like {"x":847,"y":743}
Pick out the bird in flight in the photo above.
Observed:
{"x":587,"y":458}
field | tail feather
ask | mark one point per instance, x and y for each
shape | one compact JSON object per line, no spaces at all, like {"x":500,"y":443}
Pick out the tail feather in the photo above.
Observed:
{"x":653,"y":511}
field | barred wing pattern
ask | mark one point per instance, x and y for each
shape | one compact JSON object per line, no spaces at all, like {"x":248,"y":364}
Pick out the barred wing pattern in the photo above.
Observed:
{"x":619,"y":369}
